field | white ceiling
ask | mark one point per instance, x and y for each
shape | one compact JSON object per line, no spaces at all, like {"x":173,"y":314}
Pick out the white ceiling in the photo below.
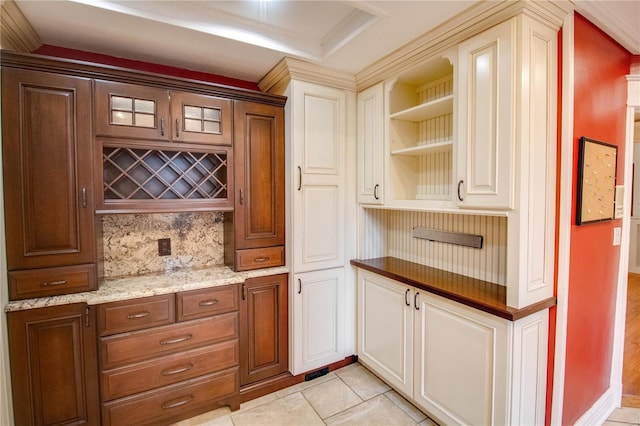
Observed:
{"x":245,"y":39}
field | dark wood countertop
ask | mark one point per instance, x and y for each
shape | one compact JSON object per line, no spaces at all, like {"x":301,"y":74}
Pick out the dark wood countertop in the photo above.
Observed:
{"x":482,"y":295}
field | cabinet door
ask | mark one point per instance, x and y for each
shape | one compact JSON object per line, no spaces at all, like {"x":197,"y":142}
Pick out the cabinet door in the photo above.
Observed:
{"x":200,"y":119}
{"x":385,"y":329}
{"x":486,"y":119}
{"x":318,"y":319}
{"x":46,"y":138}
{"x":263,"y":328}
{"x":461,"y":361}
{"x":54,"y":365}
{"x":318,"y":176}
{"x":371,"y":145}
{"x":259,"y":175}
{"x":131,"y":111}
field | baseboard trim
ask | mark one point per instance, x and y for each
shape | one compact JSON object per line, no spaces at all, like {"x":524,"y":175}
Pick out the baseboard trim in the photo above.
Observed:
{"x":601,"y":410}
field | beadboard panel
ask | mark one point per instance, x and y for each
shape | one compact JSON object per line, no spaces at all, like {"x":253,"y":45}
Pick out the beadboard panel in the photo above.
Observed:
{"x":388,"y":233}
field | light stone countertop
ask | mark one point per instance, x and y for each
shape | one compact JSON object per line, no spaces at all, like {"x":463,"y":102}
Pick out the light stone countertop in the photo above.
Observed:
{"x":133,"y":287}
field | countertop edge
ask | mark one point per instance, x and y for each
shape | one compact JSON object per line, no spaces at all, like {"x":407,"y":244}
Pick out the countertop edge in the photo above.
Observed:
{"x":115,"y":289}
{"x":506,"y":312}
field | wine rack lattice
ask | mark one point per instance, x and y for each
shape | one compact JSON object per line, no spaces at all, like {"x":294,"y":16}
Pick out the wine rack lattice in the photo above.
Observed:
{"x":152,"y":174}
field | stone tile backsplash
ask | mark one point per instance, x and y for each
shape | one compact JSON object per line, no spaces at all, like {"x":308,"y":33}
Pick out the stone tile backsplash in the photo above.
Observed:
{"x":131,"y":242}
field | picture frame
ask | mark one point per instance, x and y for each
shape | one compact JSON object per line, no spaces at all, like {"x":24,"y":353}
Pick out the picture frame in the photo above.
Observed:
{"x":597,"y":167}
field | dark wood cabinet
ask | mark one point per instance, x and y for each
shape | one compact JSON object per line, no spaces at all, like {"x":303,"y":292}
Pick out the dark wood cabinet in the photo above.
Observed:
{"x":54,"y":365}
{"x":47,"y":152}
{"x":255,"y":231}
{"x":263,"y":329}
{"x":133,"y":111}
{"x":169,"y":357}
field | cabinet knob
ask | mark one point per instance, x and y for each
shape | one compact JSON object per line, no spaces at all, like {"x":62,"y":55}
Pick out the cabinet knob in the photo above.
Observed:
{"x":460,"y":183}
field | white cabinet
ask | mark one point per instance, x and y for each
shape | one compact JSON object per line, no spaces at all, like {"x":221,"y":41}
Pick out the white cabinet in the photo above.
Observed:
{"x":370,"y":148}
{"x":318,"y":318}
{"x":385,"y":329}
{"x":319,"y":137}
{"x":459,"y":364}
{"x":486,"y":119}
{"x":317,"y":149}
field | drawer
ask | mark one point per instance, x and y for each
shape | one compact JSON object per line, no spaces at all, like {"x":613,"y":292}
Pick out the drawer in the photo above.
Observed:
{"x":52,"y":281}
{"x":173,"y":402}
{"x":136,"y":314}
{"x":169,"y":369}
{"x":265,"y":257}
{"x":210,"y":301}
{"x":146,"y":344}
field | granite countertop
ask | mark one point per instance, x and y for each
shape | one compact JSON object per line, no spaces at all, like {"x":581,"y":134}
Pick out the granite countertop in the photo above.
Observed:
{"x":482,"y":295}
{"x":132,"y":287}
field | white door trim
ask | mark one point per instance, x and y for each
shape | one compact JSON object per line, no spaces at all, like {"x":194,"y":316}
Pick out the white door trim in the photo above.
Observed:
{"x":564,"y":219}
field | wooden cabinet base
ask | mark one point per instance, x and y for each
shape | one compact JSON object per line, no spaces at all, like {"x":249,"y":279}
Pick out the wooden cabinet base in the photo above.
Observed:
{"x":169,"y":404}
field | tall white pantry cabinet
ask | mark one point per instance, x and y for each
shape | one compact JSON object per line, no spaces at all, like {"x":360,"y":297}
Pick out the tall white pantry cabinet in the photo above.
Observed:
{"x":320,"y":181}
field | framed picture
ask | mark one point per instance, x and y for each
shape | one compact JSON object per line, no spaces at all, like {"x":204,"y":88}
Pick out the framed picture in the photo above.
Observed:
{"x":597,"y":165}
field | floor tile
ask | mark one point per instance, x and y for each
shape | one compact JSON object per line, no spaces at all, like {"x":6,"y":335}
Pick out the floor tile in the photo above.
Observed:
{"x":256,"y":402}
{"x":364,"y":383}
{"x":376,"y":411}
{"x":219,"y":417}
{"x":291,"y":410}
{"x":331,"y":397}
{"x":625,"y":415}
{"x":406,"y":406}
{"x":305,"y":385}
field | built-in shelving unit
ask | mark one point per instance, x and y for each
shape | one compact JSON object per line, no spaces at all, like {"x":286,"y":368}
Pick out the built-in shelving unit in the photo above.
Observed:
{"x":420,"y":105}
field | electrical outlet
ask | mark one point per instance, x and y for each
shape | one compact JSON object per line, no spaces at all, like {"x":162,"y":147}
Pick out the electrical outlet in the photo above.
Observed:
{"x":164,"y":247}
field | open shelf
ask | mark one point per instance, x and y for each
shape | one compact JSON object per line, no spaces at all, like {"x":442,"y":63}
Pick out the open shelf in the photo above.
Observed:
{"x":426,"y":110}
{"x":430,"y":148}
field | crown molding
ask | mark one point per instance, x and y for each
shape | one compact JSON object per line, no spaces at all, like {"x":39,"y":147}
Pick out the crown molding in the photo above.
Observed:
{"x":277,"y":80}
{"x":16,"y":33}
{"x":623,"y":32}
{"x":479,"y":17}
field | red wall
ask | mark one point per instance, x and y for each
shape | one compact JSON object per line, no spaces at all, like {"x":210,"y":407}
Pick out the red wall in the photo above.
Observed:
{"x":80,"y":55}
{"x":599,"y":113}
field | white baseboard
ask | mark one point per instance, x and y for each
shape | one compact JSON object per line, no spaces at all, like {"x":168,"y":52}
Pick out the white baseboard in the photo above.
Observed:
{"x":601,"y":410}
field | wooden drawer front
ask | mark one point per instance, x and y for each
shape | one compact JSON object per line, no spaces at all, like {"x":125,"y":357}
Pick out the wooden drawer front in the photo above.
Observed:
{"x":146,"y":344}
{"x":171,"y":402}
{"x":207,"y":302}
{"x":130,"y":315}
{"x":169,"y":369}
{"x":266,"y":257}
{"x":52,"y":281}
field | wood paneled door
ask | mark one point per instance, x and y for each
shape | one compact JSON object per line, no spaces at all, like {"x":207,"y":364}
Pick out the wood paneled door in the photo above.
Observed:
{"x":263,"y":328}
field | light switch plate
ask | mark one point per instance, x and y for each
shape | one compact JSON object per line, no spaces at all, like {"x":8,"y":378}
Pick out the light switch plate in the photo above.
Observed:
{"x":617,"y":235}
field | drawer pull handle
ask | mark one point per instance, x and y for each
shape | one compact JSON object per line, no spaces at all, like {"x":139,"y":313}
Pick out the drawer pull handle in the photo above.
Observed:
{"x":177,"y":128}
{"x":50,"y":283}
{"x":176,"y":340}
{"x":170,"y":372}
{"x":415,"y":301}
{"x":261,"y":259}
{"x":375,"y":191}
{"x":139,"y":315}
{"x":406,"y":302}
{"x":178,"y":402}
{"x":208,"y":302}
{"x":161,"y":126}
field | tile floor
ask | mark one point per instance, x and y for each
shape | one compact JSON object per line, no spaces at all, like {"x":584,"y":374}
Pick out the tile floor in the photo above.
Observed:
{"x":348,"y":396}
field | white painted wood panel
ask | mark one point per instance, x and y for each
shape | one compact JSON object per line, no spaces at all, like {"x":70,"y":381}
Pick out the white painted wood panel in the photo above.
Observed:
{"x":634,"y":240}
{"x":318,"y":150}
{"x":388,"y":233}
{"x":318,"y":319}
{"x":370,"y":148}
{"x":460,"y":363}
{"x":385,"y":329}
{"x":487,"y":118}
